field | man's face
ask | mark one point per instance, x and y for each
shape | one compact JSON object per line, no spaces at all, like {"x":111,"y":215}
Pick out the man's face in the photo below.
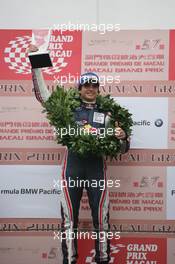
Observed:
{"x":89,"y":92}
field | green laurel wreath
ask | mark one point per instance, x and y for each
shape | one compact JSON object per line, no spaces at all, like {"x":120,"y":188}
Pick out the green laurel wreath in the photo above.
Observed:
{"x":60,"y":109}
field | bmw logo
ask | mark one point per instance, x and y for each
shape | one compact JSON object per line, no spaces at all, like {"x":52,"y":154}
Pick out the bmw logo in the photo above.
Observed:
{"x":158,"y":122}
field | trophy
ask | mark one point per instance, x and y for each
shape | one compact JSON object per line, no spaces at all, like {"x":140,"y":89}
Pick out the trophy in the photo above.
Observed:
{"x":40,"y":58}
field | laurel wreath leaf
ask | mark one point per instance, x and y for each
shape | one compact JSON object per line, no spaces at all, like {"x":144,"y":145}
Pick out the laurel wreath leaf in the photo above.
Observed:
{"x":60,"y":108}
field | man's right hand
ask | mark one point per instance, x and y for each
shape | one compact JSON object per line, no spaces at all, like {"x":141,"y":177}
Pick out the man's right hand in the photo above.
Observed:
{"x":32,"y":48}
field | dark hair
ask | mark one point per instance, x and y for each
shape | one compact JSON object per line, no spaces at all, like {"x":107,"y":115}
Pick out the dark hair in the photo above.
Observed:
{"x":90,"y":82}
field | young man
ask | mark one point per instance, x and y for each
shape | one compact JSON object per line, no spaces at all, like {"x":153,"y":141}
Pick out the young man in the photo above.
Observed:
{"x":90,"y":168}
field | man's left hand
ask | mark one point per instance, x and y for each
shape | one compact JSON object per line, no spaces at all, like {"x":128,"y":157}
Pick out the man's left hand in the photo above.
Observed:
{"x":119,"y":132}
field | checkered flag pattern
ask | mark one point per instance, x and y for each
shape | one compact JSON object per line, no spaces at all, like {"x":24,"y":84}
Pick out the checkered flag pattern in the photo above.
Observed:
{"x":16,"y":57}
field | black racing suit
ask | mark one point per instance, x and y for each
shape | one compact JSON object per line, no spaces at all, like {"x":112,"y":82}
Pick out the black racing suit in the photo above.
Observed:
{"x":89,"y":169}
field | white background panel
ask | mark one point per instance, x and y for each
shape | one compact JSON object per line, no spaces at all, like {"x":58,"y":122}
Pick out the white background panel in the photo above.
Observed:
{"x":171,"y":193}
{"x":149,"y":110}
{"x":129,"y":14}
{"x":29,"y":205}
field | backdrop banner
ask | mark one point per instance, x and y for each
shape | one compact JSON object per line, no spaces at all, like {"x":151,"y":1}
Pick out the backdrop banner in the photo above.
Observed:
{"x":137,"y":67}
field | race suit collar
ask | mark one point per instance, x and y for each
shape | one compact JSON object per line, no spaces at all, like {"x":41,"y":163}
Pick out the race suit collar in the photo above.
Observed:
{"x":89,"y":105}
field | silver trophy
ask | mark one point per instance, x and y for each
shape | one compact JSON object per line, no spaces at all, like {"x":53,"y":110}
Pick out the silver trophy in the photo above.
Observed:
{"x":40,"y":58}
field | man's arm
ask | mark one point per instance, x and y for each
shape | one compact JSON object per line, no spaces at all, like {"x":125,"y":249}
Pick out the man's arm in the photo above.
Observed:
{"x":125,"y":145}
{"x":122,"y":136}
{"x":41,"y":92}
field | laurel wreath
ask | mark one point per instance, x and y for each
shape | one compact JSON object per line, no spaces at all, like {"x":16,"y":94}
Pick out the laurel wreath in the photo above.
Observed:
{"x":60,"y":108}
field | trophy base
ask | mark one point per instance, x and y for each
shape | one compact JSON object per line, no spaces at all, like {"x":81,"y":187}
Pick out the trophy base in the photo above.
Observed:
{"x":40,"y":59}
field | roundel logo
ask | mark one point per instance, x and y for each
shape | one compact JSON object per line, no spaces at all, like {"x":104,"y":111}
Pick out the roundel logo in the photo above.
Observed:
{"x":15,"y":56}
{"x":158,"y":122}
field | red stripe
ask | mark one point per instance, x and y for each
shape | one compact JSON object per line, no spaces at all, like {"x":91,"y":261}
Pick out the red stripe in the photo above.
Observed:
{"x":36,"y":87}
{"x":66,"y":190}
{"x":104,"y":192}
{"x":102,"y":200}
{"x":172,"y":55}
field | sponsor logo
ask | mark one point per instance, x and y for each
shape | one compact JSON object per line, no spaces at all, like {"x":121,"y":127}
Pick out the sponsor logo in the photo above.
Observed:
{"x":158,"y":122}
{"x":114,"y":250}
{"x":61,"y":47}
{"x":142,"y":123}
{"x":17,"y":59}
